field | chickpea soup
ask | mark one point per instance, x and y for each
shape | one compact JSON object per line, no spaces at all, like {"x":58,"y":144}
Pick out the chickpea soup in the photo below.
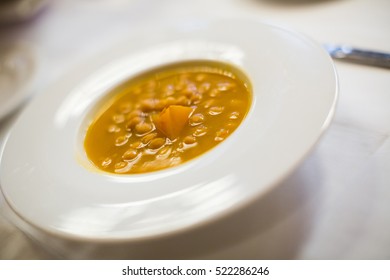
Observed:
{"x":167,"y":116}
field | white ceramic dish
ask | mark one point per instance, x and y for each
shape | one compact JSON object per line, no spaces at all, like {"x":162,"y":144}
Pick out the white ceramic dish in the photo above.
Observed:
{"x":48,"y":182}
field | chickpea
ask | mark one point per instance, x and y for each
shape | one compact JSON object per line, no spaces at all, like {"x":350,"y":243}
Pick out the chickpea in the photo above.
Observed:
{"x":215,"y":110}
{"x":196,"y":119}
{"x":196,"y":98}
{"x":135,"y":113}
{"x":148,"y":137}
{"x":208,"y":103}
{"x":189,"y":140}
{"x":120,"y":165}
{"x":106,"y":162}
{"x":234,"y":115}
{"x":164,"y":152}
{"x":190,"y":89}
{"x":169,"y":90}
{"x":170,"y":100}
{"x":200,"y":131}
{"x":225,"y":86}
{"x":204,"y":87}
{"x":125,"y":108}
{"x":182,"y":100}
{"x":136,"y":145}
{"x":214,"y":93}
{"x":118,"y":118}
{"x":161,"y":104}
{"x":113,"y":128}
{"x":130,"y":154}
{"x":148,"y":104}
{"x":121,"y":140}
{"x":221,"y":134}
{"x":156,"y":143}
{"x":134,"y":122}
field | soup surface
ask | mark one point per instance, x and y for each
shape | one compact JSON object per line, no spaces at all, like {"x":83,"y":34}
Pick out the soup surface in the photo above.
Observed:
{"x":167,"y":116}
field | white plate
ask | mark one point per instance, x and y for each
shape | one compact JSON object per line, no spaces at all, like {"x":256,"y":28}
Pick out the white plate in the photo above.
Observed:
{"x":47,"y":180}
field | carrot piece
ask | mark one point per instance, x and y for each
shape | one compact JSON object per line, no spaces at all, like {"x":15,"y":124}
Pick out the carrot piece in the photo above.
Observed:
{"x":172,"y":120}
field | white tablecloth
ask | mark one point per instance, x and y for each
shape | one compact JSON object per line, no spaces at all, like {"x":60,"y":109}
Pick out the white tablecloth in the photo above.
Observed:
{"x":337,"y":204}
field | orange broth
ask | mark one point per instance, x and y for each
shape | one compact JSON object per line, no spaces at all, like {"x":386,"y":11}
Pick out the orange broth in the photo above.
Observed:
{"x":167,"y":116}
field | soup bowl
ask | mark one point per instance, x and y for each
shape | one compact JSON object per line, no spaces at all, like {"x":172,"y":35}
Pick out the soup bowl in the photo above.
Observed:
{"x":55,"y":194}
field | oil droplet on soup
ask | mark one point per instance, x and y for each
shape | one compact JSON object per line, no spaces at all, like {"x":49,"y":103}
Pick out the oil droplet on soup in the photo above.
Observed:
{"x":167,"y":116}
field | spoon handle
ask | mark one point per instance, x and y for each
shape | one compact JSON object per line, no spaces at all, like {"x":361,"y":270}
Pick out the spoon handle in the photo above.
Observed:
{"x":368,"y":57}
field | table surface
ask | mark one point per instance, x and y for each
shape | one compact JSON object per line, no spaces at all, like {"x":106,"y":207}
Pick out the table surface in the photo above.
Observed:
{"x":336,"y":205}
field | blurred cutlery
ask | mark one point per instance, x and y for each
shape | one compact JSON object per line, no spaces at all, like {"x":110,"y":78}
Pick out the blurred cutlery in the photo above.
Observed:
{"x":361,"y":56}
